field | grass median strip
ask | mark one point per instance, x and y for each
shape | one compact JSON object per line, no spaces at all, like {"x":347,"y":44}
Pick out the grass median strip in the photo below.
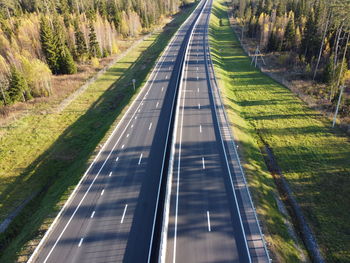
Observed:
{"x":312,"y":157}
{"x":47,"y":154}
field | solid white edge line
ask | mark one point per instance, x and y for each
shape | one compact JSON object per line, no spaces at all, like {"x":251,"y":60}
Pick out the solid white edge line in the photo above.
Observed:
{"x":122,"y":220}
{"x":148,"y":84}
{"x":165,"y":223}
{"x":208,"y":218}
{"x":226,"y":158}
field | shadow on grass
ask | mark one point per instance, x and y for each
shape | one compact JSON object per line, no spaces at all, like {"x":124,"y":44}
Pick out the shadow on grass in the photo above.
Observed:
{"x":313,"y":157}
{"x":62,"y":165}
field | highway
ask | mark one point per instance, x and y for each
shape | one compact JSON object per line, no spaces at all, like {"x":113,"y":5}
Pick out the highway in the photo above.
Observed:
{"x":111,"y":215}
{"x":205,"y":218}
{"x":167,"y":185}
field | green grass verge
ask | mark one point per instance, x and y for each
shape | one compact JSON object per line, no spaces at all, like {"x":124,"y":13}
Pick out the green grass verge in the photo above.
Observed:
{"x":47,"y":154}
{"x":314,"y":158}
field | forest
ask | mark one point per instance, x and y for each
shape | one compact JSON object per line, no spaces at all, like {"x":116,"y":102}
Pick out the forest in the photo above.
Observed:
{"x":45,"y":37}
{"x":314,"y":35}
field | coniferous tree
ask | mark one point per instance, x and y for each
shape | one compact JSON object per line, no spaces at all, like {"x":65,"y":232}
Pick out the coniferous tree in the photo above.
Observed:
{"x":80,"y":44}
{"x":94,"y":47}
{"x":289,"y":35}
{"x":311,"y":40}
{"x":65,"y":61}
{"x":272,"y":44}
{"x":48,"y":44}
{"x":328,"y":72}
{"x":260,"y":8}
{"x":18,"y":86}
{"x":279,"y":10}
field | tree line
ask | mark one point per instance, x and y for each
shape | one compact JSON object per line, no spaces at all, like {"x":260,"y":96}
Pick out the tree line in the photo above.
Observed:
{"x":314,"y":32}
{"x":45,"y":37}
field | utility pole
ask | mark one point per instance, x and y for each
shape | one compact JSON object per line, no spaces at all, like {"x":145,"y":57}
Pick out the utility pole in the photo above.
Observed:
{"x":336,"y":110}
{"x":133,"y":83}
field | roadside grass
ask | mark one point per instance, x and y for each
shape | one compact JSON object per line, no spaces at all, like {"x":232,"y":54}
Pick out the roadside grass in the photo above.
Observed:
{"x":314,"y":158}
{"x":44,"y":156}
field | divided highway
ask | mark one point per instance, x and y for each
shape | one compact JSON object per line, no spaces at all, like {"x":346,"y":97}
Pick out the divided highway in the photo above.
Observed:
{"x":116,"y":214}
{"x":111,"y":215}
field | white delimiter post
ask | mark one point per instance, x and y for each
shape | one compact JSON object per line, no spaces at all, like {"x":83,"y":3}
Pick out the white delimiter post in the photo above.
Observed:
{"x":336,"y":110}
{"x":133,"y":83}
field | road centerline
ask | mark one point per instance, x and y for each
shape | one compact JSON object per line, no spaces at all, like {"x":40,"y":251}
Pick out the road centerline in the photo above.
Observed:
{"x":140,"y":159}
{"x":208,"y":219}
{"x":92,"y":214}
{"x":81,"y":242}
{"x":122,"y":220}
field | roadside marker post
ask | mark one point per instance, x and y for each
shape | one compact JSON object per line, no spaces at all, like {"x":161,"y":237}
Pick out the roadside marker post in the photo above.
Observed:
{"x":133,"y":83}
{"x":338,"y":104}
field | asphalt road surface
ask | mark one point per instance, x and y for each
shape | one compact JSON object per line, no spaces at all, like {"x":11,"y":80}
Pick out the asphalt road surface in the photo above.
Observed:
{"x":205,"y":222}
{"x":116,"y":212}
{"x":111,"y":215}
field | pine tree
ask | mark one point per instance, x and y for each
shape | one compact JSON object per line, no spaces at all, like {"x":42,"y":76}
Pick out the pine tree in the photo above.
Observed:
{"x":272,"y":44}
{"x":279,"y":10}
{"x":94,"y":47}
{"x":311,"y":40}
{"x":260,"y":8}
{"x":289,"y":35}
{"x":80,"y":44}
{"x":328,"y":73}
{"x":66,"y":62}
{"x":48,"y":44}
{"x":18,"y":87}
